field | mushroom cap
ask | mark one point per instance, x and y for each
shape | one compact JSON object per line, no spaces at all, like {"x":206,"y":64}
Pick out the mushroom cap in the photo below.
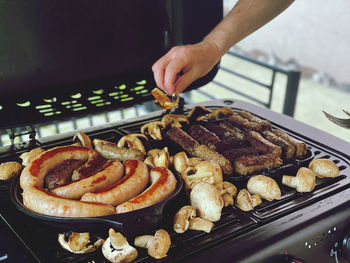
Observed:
{"x":83,"y":139}
{"x":160,"y":244}
{"x":174,"y":120}
{"x":153,"y":129}
{"x":247,"y":202}
{"x":306,"y":180}
{"x":220,"y":113}
{"x":324,"y":168}
{"x":264,"y":186}
{"x":207,"y":201}
{"x":78,"y":243}
{"x":9,"y":169}
{"x":182,"y":217}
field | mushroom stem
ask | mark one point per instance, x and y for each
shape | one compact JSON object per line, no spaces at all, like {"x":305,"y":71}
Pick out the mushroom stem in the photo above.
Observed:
{"x":201,"y":224}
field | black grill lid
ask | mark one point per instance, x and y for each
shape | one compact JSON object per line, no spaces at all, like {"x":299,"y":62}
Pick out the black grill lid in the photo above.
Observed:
{"x":52,"y":50}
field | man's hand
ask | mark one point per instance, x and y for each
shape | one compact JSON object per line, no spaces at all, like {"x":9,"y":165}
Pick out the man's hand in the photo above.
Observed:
{"x":182,"y":65}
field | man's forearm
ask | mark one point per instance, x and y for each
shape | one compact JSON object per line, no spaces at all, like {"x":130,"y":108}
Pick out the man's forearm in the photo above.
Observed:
{"x":245,"y":18}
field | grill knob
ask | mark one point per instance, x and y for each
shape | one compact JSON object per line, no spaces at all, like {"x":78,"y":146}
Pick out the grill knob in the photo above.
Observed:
{"x":346,"y":247}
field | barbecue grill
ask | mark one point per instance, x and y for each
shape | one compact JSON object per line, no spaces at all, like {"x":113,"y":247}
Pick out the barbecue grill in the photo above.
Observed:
{"x":309,"y":227}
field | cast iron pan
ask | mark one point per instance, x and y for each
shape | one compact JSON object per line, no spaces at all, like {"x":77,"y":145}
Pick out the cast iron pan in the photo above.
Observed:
{"x":142,"y":221}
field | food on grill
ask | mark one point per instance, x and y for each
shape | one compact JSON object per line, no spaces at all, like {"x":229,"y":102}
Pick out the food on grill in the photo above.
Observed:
{"x":133,"y":183}
{"x":83,"y":139}
{"x":111,"y":172}
{"x":324,"y":168}
{"x":201,"y":224}
{"x":250,"y":164}
{"x":228,"y":191}
{"x":263,"y":145}
{"x":181,"y":161}
{"x":304,"y":181}
{"x":233,"y":154}
{"x":94,"y":163}
{"x":198,"y":113}
{"x":44,"y":202}
{"x":263,"y":124}
{"x":288,"y":149}
{"x":235,"y":131}
{"x":220,"y":113}
{"x":79,"y":243}
{"x":246,"y":202}
{"x":264,"y":186}
{"x":203,"y":136}
{"x":153,"y":129}
{"x":163,"y":100}
{"x":9,"y":170}
{"x":207,"y":201}
{"x":204,"y":171}
{"x":163,"y":184}
{"x":110,"y":150}
{"x":133,"y":141}
{"x":244,"y":124}
{"x":182,"y":218}
{"x":157,"y":245}
{"x":300,"y":147}
{"x":174,"y":120}
{"x":158,"y":158}
{"x":192,"y":147}
{"x":117,"y":249}
{"x":27,"y":157}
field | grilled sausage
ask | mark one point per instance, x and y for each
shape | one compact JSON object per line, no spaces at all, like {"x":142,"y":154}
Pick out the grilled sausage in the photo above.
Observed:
{"x":243,"y":123}
{"x":263,"y":145}
{"x":203,"y":136}
{"x":163,"y":184}
{"x":235,"y":131}
{"x":134,"y":182}
{"x":262,"y":124}
{"x":288,"y":149}
{"x":44,"y":202}
{"x":110,"y":150}
{"x":111,"y":172}
{"x":300,"y":147}
{"x":246,"y":165}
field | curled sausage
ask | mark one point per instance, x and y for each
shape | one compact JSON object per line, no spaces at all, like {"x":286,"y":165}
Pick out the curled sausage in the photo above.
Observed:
{"x":134,"y":182}
{"x":111,"y":172}
{"x":163,"y":184}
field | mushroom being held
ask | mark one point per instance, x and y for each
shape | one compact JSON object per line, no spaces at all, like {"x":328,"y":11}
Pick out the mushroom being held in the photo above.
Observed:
{"x":157,"y":245}
{"x":304,"y":181}
{"x":117,"y":249}
{"x":207,"y":201}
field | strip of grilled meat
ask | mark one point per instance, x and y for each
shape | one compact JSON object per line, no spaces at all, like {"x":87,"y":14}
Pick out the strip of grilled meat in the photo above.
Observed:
{"x":300,"y":146}
{"x":192,"y":147}
{"x":203,"y":136}
{"x":288,"y":149}
{"x":233,"y":154}
{"x":244,"y":124}
{"x":235,"y":131}
{"x":263,"y":145}
{"x":247,"y":165}
{"x":263,"y":124}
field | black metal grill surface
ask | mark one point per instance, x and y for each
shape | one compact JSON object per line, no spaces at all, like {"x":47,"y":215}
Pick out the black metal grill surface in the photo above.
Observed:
{"x":41,"y":239}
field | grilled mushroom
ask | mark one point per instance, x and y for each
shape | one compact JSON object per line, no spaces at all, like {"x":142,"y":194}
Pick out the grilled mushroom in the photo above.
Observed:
{"x":174,"y":120}
{"x":9,"y":170}
{"x":181,"y":161}
{"x":133,"y":141}
{"x":83,"y":139}
{"x":198,"y":113}
{"x":117,"y":249}
{"x":264,"y":186}
{"x":153,"y":129}
{"x":158,"y":158}
{"x":227,"y":191}
{"x":27,"y":157}
{"x":157,"y":245}
{"x":220,"y":113}
{"x":324,"y":168}
{"x":78,"y":243}
{"x":182,"y":218}
{"x":304,"y":181}
{"x":201,"y":224}
{"x":246,"y":202}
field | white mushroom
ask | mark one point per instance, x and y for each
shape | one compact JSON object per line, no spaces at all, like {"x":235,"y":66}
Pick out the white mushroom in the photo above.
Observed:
{"x":28,"y":157}
{"x":157,"y":245}
{"x":181,"y":161}
{"x":201,"y":224}
{"x":246,"y":202}
{"x":207,"y":201}
{"x":324,"y":168}
{"x":198,"y":113}
{"x":153,"y":129}
{"x":133,"y":141}
{"x":78,"y":243}
{"x":83,"y":139}
{"x":117,"y":249}
{"x":264,"y":186}
{"x":227,"y":191}
{"x":304,"y":181}
{"x":182,"y":218}
{"x":158,"y":158}
{"x":174,"y":120}
{"x":220,"y":113}
{"x":9,"y":170}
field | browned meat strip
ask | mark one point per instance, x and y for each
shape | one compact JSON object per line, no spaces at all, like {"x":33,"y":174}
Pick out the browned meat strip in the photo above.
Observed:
{"x":203,"y":136}
{"x":233,"y":143}
{"x":61,"y":174}
{"x":288,"y":149}
{"x":243,"y":123}
{"x":263,"y":145}
{"x":233,"y":154}
{"x":192,"y":147}
{"x":221,"y":132}
{"x":235,"y":131}
{"x":246,"y":165}
{"x":92,"y":165}
{"x":300,"y":147}
{"x":264,"y":124}
{"x":184,"y":140}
